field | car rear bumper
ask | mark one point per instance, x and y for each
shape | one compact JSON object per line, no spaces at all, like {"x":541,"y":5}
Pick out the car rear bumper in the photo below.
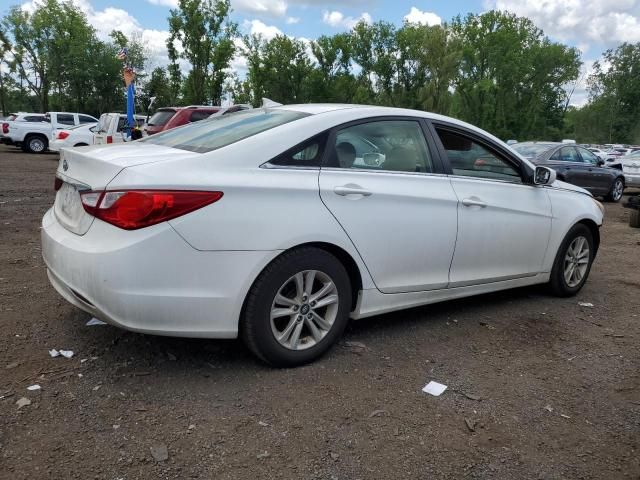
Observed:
{"x":150,"y":280}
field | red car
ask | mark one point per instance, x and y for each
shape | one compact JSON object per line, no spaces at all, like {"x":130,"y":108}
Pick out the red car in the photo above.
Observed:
{"x":170,"y":117}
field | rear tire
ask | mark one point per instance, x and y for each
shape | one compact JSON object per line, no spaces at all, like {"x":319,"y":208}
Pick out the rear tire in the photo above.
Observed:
{"x":634,"y":219}
{"x":617,"y":189}
{"x":569,"y":273}
{"x":36,"y":144}
{"x":294,"y":283}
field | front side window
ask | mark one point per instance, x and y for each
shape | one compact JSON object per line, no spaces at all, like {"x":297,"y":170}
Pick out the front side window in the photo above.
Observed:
{"x":588,"y":156}
{"x":161,"y":117}
{"x":65,"y":119}
{"x":386,"y":145}
{"x":218,"y":132}
{"x":469,"y":158}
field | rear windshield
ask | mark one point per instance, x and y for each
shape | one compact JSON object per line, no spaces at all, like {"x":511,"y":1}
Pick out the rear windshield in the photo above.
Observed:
{"x":531,"y":149}
{"x":218,"y":132}
{"x":158,"y":119}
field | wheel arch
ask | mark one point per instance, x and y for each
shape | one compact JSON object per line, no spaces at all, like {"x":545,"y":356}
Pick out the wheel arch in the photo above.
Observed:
{"x":595,"y":232}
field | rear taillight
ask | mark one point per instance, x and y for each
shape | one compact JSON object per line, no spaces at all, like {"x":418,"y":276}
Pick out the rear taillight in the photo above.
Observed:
{"x":5,"y":127}
{"x":62,"y":135}
{"x":109,"y":139}
{"x":132,"y":209}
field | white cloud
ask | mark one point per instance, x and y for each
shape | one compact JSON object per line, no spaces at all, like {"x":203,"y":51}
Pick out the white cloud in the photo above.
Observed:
{"x":292,"y":20}
{"x":274,"y":8}
{"x":256,"y":27}
{"x":423,"y":18}
{"x":338,"y":19}
{"x":608,"y":22}
{"x":164,"y":3}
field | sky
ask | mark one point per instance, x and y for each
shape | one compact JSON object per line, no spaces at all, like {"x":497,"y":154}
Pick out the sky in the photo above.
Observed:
{"x":590,"y":25}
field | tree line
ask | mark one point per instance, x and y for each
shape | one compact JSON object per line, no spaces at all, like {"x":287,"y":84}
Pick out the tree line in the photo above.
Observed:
{"x":495,"y":70}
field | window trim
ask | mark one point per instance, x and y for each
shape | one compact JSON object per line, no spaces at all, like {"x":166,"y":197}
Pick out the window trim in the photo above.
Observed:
{"x":295,"y":149}
{"x":421,"y":121}
{"x":526,"y":175}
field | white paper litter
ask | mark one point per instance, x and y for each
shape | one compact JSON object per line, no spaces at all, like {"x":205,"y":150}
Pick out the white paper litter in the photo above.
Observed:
{"x":34,"y":387}
{"x":95,"y":321}
{"x":434,"y":388}
{"x":65,"y":353}
{"x":585,"y":304}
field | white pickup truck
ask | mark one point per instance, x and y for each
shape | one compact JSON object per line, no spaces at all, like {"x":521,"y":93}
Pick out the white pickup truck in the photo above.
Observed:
{"x":33,"y":131}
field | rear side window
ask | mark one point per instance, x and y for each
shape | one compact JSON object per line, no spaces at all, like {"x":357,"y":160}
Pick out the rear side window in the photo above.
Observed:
{"x":307,"y":154}
{"x":34,"y":118}
{"x":218,"y":132}
{"x":199,"y":115}
{"x":160,"y":118}
{"x":65,"y":119}
{"x":86,"y":119}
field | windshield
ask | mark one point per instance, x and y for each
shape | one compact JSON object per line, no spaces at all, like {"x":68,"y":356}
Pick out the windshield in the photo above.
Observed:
{"x":531,"y":150}
{"x":218,"y":132}
{"x":161,"y":117}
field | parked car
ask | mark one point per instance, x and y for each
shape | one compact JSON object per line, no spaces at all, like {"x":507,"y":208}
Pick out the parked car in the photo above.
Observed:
{"x":231,"y":109}
{"x":167,"y":118}
{"x":576,"y":165}
{"x":230,"y":227}
{"x":20,"y":117}
{"x":112,"y":128}
{"x":631,"y":168}
{"x":79,"y":136}
{"x":601,"y":154}
{"x":34,"y":131}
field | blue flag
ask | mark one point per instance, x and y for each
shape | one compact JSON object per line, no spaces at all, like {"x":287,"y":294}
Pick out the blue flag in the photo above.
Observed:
{"x":130,"y":108}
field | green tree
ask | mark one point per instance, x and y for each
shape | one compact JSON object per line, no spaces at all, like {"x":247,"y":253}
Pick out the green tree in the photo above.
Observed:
{"x":206,"y":34}
{"x":511,"y":76}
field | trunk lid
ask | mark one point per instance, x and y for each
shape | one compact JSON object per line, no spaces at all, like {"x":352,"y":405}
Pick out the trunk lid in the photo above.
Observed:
{"x":92,"y":168}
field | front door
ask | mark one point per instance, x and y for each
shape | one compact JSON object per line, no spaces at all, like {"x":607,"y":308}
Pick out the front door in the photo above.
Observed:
{"x":382,"y":184}
{"x":503,"y":223}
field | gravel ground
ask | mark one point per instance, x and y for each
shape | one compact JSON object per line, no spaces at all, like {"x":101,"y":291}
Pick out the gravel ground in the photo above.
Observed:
{"x":539,"y":387}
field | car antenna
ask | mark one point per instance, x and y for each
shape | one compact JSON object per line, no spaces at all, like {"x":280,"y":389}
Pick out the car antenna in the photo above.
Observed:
{"x":267,"y":103}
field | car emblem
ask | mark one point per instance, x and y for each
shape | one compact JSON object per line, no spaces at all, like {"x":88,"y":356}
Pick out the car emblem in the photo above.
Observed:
{"x":65,"y":165}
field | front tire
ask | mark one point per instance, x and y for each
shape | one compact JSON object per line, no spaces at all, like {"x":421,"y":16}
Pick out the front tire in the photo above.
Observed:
{"x":297,"y":308}
{"x":573,"y":262}
{"x":617,"y":189}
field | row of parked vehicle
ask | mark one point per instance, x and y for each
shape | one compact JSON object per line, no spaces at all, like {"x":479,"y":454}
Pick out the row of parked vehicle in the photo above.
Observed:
{"x":39,"y":132}
{"x":589,"y":167}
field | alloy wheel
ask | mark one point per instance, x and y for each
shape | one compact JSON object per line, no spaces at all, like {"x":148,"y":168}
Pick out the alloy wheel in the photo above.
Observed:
{"x":618,"y":189}
{"x":36,"y":145}
{"x":576,"y":261}
{"x":304,"y":310}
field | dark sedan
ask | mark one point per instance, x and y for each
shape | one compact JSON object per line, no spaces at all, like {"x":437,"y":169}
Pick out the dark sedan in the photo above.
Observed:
{"x":576,"y":165}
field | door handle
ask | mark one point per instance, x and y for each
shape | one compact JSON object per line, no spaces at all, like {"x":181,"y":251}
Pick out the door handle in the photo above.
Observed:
{"x":473,"y":202}
{"x":351,"y":189}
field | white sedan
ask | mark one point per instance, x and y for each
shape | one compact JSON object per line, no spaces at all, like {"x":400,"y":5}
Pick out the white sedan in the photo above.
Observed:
{"x":79,"y":136}
{"x":279,"y":224}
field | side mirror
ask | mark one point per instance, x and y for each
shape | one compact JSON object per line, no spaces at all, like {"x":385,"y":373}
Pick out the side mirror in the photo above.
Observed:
{"x":544,"y":176}
{"x":600,"y":162}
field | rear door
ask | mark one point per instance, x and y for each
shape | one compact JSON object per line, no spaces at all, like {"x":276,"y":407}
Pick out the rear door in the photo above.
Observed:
{"x":503,"y":223}
{"x":385,"y":186}
{"x":572,"y":168}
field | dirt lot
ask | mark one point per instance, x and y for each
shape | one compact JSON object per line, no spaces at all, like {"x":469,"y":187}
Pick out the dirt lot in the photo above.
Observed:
{"x":539,"y":387}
